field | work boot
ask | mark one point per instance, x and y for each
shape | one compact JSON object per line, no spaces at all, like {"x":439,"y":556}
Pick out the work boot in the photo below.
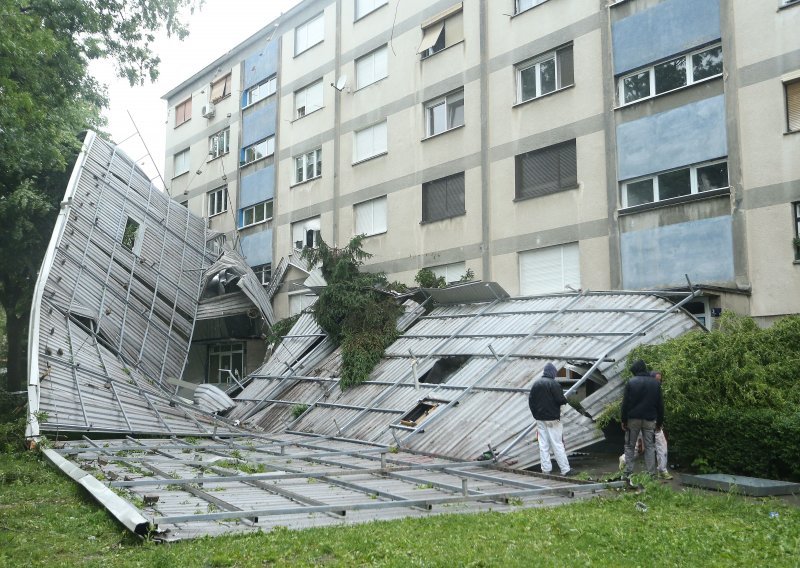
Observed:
{"x":665,"y":475}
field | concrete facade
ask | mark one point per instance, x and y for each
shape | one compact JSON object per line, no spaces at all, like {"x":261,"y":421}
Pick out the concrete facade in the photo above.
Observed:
{"x":676,"y":110}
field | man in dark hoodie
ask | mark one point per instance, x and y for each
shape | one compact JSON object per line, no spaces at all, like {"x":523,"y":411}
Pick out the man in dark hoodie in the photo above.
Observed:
{"x":642,"y":411}
{"x":545,"y":402}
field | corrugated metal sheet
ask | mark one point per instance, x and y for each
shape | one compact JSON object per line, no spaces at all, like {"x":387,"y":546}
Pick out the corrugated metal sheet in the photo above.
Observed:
{"x":112,"y":321}
{"x":506,"y":342}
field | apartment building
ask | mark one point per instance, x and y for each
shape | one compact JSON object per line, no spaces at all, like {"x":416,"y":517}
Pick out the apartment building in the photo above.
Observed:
{"x":546,"y":145}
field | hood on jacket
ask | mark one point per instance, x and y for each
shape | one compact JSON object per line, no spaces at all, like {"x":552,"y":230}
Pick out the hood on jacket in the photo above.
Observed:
{"x":549,"y":371}
{"x":639,"y":368}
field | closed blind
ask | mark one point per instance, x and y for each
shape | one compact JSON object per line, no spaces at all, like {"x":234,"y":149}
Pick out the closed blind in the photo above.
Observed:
{"x":443,"y":198}
{"x":550,"y":269}
{"x":547,"y":171}
{"x":793,"y":105}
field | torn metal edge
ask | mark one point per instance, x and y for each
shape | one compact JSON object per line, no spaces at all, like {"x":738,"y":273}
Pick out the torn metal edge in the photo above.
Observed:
{"x":32,"y":422}
{"x":121,"y":509}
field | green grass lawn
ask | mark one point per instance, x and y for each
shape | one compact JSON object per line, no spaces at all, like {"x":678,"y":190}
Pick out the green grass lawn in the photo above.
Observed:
{"x":46,"y":519}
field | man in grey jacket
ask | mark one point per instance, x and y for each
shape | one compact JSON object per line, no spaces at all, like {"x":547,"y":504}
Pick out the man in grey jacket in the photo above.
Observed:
{"x":545,"y":401}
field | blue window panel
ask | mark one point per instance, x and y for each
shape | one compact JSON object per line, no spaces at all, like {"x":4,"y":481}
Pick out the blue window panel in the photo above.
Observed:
{"x":257,"y":247}
{"x":660,"y":257}
{"x":669,"y":28}
{"x":257,"y":187}
{"x":261,"y":65}
{"x":259,"y":123}
{"x":686,"y":135}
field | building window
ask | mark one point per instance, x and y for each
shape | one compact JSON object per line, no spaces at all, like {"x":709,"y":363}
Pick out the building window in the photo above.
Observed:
{"x":364,"y":7}
{"x":306,"y":233}
{"x":257,"y":213}
{"x":219,"y":144}
{"x":372,"y":67}
{"x":258,"y":150}
{"x":308,"y":166}
{"x":132,"y":236}
{"x":264,"y":273}
{"x":221,"y":88}
{"x":523,"y":5}
{"x":224,"y":360}
{"x":670,"y":75}
{"x":793,"y":105}
{"x":796,"y":241}
{"x":675,"y":183}
{"x":308,"y":99}
{"x":261,"y":91}
{"x":442,"y":31}
{"x":369,"y":142}
{"x":180,"y":163}
{"x":217,"y":201}
{"x":452,"y":272}
{"x":183,"y":112}
{"x":370,"y":216}
{"x":548,"y":170}
{"x":443,"y":198}
{"x":444,"y":113}
{"x":309,"y":34}
{"x":299,"y":302}
{"x":545,"y":74}
{"x":550,"y":269}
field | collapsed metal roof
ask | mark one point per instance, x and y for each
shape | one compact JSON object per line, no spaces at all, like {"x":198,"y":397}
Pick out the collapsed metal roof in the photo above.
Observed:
{"x":115,"y":304}
{"x":129,"y":273}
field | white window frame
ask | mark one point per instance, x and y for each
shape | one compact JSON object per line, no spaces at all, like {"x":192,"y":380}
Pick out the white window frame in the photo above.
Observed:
{"x":371,"y":217}
{"x":372,"y":67}
{"x":370,"y":142}
{"x":215,"y":149}
{"x":217,"y":200}
{"x":312,"y":159}
{"x":299,"y":301}
{"x":308,"y":99}
{"x":300,"y":231}
{"x":263,"y":272}
{"x":567,"y":271}
{"x":180,"y":163}
{"x":695,"y":186}
{"x":650,"y":71}
{"x":261,"y":91}
{"x":226,"y":350}
{"x":260,"y":213}
{"x":138,"y":239}
{"x":448,"y":101}
{"x":524,"y":5}
{"x":309,"y":34}
{"x":258,"y":151}
{"x":536,"y":65}
{"x":452,"y":272}
{"x":365,"y":7}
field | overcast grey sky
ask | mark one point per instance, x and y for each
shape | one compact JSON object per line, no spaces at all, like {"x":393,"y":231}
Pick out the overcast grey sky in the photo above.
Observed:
{"x":220,"y":26}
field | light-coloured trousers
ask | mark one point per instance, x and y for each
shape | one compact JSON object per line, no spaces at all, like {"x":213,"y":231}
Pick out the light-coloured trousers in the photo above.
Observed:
{"x":661,"y":451}
{"x":647,"y":428}
{"x":550,"y":436}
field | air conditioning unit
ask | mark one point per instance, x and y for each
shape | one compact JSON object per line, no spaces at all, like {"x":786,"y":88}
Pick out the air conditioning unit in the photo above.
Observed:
{"x":208,"y":110}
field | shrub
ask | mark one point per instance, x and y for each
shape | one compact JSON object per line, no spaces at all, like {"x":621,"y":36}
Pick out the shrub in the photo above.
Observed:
{"x":731,"y":396}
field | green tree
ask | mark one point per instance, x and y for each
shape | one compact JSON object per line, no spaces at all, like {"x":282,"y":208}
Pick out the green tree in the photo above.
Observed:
{"x":354,"y":309}
{"x":47,"y":97}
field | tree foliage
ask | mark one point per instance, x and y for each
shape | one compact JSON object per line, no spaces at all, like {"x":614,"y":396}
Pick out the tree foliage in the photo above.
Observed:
{"x":47,"y":97}
{"x":732,"y":396}
{"x":353,"y":309}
